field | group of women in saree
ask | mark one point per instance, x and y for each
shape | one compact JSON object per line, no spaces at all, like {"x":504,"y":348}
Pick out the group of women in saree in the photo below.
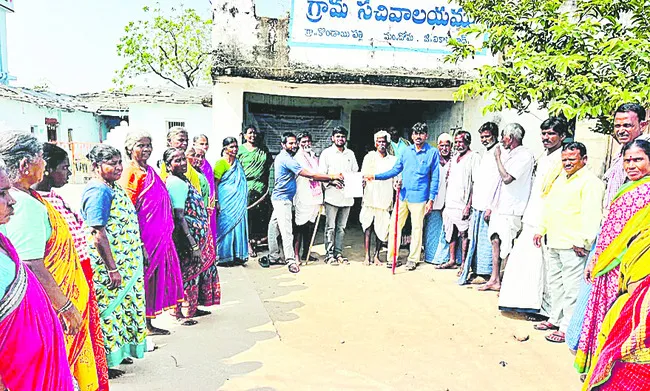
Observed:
{"x":78,"y":292}
{"x":610,"y":331}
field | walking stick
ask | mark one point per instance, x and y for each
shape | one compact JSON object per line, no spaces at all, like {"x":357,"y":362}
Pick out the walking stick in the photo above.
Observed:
{"x":395,"y":248}
{"x":313,"y":235}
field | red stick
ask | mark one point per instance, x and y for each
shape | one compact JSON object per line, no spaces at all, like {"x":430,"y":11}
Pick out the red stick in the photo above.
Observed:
{"x":396,"y":249}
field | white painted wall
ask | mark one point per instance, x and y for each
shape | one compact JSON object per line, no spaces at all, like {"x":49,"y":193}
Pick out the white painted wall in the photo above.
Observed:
{"x":22,"y":116}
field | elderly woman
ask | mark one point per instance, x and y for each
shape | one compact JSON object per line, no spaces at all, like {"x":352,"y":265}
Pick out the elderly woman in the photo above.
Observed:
{"x":232,"y":216}
{"x":177,"y":138}
{"x":117,"y":256}
{"x":191,"y":236}
{"x":623,"y":247}
{"x":32,"y":344}
{"x":201,"y":142}
{"x":195,"y":158}
{"x":44,"y":242}
{"x":256,"y":161}
{"x":163,"y":282}
{"x":57,"y":173}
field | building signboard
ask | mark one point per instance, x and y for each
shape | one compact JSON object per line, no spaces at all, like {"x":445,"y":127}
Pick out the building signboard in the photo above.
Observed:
{"x":7,"y":4}
{"x":392,"y":25}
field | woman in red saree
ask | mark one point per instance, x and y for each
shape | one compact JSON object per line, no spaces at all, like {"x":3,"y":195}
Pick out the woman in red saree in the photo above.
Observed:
{"x":163,"y":282}
{"x":32,"y":345}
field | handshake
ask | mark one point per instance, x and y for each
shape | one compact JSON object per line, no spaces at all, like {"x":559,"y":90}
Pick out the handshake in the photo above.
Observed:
{"x":337,"y":181}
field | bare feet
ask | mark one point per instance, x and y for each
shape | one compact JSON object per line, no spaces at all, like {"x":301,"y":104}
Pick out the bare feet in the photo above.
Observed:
{"x":366,"y":261}
{"x":460,"y":270}
{"x":490,"y":286}
{"x":448,"y":265}
{"x":114,"y":373}
{"x":200,"y":313}
{"x":377,"y":260}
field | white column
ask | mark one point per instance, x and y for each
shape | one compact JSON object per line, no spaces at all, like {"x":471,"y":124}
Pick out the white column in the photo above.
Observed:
{"x":227,"y":114}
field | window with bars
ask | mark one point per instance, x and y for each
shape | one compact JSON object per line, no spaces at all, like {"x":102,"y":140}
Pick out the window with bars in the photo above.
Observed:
{"x":171,"y":124}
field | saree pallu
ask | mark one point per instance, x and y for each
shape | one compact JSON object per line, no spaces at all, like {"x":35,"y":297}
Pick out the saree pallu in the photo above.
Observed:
{"x":201,"y":279}
{"x":192,"y":176}
{"x":257,"y":164}
{"x":163,"y":281}
{"x":63,"y":263}
{"x":96,"y":336}
{"x":479,"y":251}
{"x":209,"y":175}
{"x":122,"y":311}
{"x":622,"y":360}
{"x":32,"y":345}
{"x":629,"y":210}
{"x":232,"y":221}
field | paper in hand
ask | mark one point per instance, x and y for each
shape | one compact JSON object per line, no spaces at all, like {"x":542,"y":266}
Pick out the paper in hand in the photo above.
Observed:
{"x":353,"y":185}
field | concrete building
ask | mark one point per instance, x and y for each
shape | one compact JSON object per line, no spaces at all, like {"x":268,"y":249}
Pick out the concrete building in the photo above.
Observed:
{"x":353,"y":63}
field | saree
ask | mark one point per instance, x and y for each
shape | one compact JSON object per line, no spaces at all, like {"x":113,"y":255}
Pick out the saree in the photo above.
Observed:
{"x":76,"y":230}
{"x":163,"y":282}
{"x":200,"y":279}
{"x":63,"y":263}
{"x":479,"y":251}
{"x":122,"y":311}
{"x":207,"y":170}
{"x":257,"y":165}
{"x":232,"y":221}
{"x":192,"y":175}
{"x":629,"y":210}
{"x":32,"y":345}
{"x":433,"y":230}
{"x":622,"y":360}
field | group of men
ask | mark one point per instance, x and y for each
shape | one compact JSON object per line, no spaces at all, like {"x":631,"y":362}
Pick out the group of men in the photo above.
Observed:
{"x":537,"y":217}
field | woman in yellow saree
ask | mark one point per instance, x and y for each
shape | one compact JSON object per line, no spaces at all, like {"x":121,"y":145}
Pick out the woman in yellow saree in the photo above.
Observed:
{"x":623,"y":354}
{"x":42,"y":238}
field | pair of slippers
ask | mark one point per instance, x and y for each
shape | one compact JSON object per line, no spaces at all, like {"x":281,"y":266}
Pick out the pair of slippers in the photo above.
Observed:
{"x":265,"y":262}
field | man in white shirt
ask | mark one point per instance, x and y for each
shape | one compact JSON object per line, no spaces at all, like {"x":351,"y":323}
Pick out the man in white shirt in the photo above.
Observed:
{"x":377,"y":197}
{"x":486,"y":180}
{"x":523,"y":288}
{"x":308,"y":199}
{"x":458,"y":199}
{"x":515,"y":167}
{"x":335,"y":160}
{"x":434,"y":239}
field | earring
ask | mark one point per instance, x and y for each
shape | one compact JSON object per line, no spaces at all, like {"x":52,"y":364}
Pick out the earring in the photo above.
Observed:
{"x":46,"y":173}
{"x":27,"y":172}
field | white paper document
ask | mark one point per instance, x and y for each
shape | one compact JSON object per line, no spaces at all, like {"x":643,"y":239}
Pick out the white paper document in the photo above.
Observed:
{"x":353,"y":185}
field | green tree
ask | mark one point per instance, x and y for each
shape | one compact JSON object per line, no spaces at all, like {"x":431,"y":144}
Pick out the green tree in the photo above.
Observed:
{"x":580,"y":58}
{"x":175,"y":47}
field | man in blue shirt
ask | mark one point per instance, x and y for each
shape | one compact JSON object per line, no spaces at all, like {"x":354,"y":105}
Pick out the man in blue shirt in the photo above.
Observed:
{"x":281,"y":224}
{"x":418,"y":165}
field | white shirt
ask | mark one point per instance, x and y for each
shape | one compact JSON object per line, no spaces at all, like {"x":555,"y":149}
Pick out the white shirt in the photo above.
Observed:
{"x":459,"y":180}
{"x":485,"y":181}
{"x":513,"y":197}
{"x":308,"y":192}
{"x":333,"y":161}
{"x":545,"y":163}
{"x":378,"y":194}
{"x":439,"y":202}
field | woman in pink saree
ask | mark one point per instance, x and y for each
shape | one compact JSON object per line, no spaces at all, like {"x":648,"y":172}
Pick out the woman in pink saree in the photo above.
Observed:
{"x":32,"y":345}
{"x":163,"y":280}
{"x":201,"y":142}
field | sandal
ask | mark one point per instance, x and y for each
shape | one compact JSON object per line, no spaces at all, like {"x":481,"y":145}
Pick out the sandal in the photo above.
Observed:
{"x":198,"y":313}
{"x":293,"y":267}
{"x":264,"y":262}
{"x":332,"y":261}
{"x":343,"y":261}
{"x":446,"y":265}
{"x":188,"y":322}
{"x":251,"y":249}
{"x":545,"y":326}
{"x":536,"y":318}
{"x":556,"y":337}
{"x":410,"y":265}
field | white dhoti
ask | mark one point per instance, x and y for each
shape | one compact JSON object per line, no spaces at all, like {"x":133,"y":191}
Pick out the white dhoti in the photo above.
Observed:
{"x":380,"y":218}
{"x":522,"y":288}
{"x":506,"y":227}
{"x":305,"y":213}
{"x":453,"y":217}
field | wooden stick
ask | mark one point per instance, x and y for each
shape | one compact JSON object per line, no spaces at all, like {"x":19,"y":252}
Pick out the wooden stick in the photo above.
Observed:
{"x":395,"y":248}
{"x":313,"y":235}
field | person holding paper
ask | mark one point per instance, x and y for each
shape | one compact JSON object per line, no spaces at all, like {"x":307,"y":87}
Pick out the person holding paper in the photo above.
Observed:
{"x":335,"y":160}
{"x":377,"y":197}
{"x":419,"y":167}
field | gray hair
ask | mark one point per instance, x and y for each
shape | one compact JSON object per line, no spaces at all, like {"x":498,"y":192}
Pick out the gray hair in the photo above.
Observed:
{"x":515,"y":130}
{"x":132,"y":138}
{"x":200,"y":136}
{"x":102,"y":153}
{"x":16,"y":146}
{"x":175,"y":131}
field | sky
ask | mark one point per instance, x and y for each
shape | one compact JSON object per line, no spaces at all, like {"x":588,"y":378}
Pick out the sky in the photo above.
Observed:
{"x":71,"y":44}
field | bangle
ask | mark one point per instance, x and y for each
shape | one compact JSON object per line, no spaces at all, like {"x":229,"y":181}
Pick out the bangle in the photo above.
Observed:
{"x":65,"y":307}
{"x":195,"y":247}
{"x":111,"y":270}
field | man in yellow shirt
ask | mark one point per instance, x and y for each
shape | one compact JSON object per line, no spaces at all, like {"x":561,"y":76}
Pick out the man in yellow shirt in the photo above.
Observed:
{"x":570,"y":223}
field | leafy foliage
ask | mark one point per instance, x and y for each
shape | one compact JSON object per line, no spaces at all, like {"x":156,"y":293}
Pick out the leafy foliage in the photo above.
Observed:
{"x":579,"y":59}
{"x":176,"y":48}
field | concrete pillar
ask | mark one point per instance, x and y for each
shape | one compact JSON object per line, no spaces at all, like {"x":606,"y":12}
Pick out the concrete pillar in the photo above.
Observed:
{"x":227,"y":113}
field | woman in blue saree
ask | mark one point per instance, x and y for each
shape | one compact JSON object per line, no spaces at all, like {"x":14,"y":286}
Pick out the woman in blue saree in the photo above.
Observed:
{"x":231,"y":206}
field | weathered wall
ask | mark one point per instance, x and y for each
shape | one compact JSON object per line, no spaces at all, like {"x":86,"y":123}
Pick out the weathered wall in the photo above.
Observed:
{"x":22,"y":116}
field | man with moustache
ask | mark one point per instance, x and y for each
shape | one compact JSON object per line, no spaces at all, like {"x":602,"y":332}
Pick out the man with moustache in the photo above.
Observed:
{"x":479,"y":253}
{"x":419,"y":167}
{"x":524,"y":279}
{"x":515,"y":167}
{"x":571,"y":217}
{"x":308,"y":200}
{"x":337,"y":160}
{"x":377,"y":198}
{"x":434,"y":239}
{"x":287,"y":169}
{"x":458,"y":200}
